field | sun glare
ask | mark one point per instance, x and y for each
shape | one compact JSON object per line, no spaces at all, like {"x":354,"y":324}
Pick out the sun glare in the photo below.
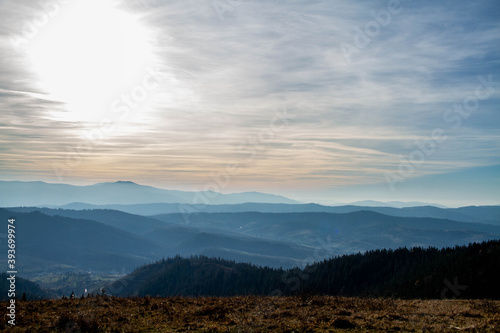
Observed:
{"x":89,"y":53}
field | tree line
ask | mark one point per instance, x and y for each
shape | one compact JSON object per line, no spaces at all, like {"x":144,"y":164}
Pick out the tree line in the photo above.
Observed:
{"x":470,"y":271}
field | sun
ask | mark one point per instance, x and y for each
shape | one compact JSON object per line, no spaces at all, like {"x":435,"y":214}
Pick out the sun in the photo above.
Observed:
{"x":88,"y":54}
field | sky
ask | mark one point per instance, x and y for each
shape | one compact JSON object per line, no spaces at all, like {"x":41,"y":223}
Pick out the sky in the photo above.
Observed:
{"x":320,"y":101}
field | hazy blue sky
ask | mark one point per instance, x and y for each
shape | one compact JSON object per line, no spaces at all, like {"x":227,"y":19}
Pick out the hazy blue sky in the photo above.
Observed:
{"x":327,"y":101}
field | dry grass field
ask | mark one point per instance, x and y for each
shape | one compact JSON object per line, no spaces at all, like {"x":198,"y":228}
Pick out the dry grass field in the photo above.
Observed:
{"x":255,"y":314}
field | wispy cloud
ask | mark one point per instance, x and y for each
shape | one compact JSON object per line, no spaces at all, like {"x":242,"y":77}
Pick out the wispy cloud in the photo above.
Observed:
{"x":227,"y":74}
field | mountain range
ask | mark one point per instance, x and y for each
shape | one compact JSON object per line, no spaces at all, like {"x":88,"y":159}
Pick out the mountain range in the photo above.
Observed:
{"x":106,"y":241}
{"x":17,"y":193}
{"x":36,"y":193}
{"x":479,"y":214}
{"x":110,"y":229}
{"x":395,"y":204}
{"x":340,"y":233}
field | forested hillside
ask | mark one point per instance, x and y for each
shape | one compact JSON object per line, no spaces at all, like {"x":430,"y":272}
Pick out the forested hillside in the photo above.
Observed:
{"x":24,"y":287}
{"x":464,"y":271}
{"x":471,"y":271}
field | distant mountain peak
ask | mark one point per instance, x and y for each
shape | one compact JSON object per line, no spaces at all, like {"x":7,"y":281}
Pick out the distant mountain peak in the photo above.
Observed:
{"x":120,"y":182}
{"x":119,"y":192}
{"x":125,"y":182}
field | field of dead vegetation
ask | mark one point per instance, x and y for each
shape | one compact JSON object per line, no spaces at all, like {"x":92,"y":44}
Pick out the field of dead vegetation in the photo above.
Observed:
{"x":254,"y":314}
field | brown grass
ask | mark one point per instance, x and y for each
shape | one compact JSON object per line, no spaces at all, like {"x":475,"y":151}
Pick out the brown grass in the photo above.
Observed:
{"x":255,"y":314}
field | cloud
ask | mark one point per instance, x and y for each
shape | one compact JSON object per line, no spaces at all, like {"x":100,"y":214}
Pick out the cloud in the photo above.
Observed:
{"x":229,"y":67}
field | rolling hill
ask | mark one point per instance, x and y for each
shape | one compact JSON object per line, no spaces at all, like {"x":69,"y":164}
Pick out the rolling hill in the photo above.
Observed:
{"x":479,"y":214}
{"x":54,"y":243}
{"x":403,"y":273}
{"x":107,"y":241}
{"x":29,"y":289}
{"x":340,"y":233}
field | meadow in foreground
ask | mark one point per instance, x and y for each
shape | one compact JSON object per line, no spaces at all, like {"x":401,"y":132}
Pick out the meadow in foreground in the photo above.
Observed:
{"x":255,"y":314}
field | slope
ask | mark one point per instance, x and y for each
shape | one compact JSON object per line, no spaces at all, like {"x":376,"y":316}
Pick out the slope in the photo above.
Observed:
{"x":405,"y":273}
{"x":53,"y":243}
{"x":340,"y":233}
{"x":170,"y":239}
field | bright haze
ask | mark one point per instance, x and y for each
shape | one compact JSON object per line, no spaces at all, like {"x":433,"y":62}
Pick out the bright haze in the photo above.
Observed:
{"x":319,"y":101}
